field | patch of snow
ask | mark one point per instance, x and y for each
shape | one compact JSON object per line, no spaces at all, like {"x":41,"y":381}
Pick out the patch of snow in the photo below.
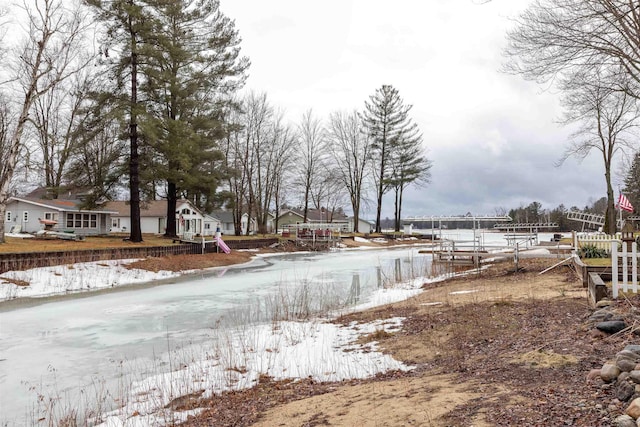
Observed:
{"x":288,"y":350}
{"x":19,"y":235}
{"x":471,"y":291}
{"x":61,"y":279}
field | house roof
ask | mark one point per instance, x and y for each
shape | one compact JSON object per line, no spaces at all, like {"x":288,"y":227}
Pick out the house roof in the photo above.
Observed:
{"x":317,"y":215}
{"x":211,"y":218}
{"x":224,"y":216}
{"x":62,"y":205}
{"x":148,"y":208}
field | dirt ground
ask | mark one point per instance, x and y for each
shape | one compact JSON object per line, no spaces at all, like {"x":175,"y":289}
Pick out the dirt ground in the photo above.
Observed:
{"x":499,"y":348}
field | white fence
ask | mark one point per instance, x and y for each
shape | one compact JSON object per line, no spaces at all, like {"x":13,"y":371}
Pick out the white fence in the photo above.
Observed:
{"x":599,"y":240}
{"x":628,"y":261}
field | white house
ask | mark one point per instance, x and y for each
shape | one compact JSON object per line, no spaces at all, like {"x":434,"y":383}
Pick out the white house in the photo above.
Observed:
{"x":31,"y":214}
{"x":364,"y":226}
{"x":315,"y":217}
{"x":190,"y":221}
{"x":227,"y":227}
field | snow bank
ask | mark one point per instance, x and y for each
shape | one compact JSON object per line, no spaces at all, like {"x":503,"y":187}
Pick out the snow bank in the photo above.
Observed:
{"x":61,"y":279}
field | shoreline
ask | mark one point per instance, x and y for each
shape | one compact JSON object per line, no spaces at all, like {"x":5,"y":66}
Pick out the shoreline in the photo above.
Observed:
{"x":135,"y":273}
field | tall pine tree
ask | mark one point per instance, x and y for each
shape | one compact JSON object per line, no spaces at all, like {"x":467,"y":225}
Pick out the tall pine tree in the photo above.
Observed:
{"x":387,"y":122}
{"x":409,"y":166}
{"x":189,"y":85}
{"x":130,"y":31}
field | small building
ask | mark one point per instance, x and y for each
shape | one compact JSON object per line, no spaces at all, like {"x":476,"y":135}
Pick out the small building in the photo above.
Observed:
{"x":364,"y":226}
{"x":31,"y":214}
{"x":190,"y":221}
{"x":290,"y":217}
{"x":227,"y":225}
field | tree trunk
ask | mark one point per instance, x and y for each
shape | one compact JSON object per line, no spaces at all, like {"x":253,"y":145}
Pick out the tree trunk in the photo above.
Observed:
{"x":610,"y":223}
{"x":172,"y":202}
{"x":134,"y":160}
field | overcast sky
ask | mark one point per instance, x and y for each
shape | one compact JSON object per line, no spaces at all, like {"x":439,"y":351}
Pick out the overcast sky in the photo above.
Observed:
{"x":493,"y":138}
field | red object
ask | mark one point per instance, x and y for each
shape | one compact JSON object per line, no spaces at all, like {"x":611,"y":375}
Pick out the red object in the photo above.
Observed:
{"x":624,"y":203}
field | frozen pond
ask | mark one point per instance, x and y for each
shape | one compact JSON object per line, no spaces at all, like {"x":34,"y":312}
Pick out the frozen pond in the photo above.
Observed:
{"x":84,"y":342}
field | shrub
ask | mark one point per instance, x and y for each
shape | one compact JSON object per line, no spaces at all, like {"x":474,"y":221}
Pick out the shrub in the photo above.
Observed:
{"x":592,"y":251}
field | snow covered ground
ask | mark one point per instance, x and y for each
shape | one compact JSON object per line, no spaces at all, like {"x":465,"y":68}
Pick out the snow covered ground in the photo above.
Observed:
{"x":63,"y":279}
{"x":288,"y":350}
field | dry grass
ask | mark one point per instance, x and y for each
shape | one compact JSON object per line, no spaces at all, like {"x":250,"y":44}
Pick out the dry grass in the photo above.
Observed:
{"x":17,"y":245}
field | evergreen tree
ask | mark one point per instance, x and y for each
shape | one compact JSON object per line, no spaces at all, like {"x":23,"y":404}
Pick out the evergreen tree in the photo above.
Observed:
{"x":130,"y":30}
{"x":386,"y":119}
{"x":632,"y":183}
{"x":409,"y":166}
{"x":189,"y":85}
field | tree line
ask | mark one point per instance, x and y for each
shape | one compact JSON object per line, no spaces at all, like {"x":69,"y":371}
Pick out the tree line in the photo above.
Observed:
{"x":145,"y":97}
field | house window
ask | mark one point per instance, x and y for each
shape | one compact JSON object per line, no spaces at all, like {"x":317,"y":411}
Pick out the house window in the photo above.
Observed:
{"x":51,"y":216}
{"x":25,"y":216}
{"x":207,"y":226}
{"x":115,"y":222}
{"x":82,"y":220}
{"x":8,"y":216}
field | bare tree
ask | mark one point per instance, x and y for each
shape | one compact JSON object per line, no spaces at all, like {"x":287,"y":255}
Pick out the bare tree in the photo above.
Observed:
{"x":351,"y":156}
{"x":310,"y":157}
{"x":607,"y":120}
{"x":555,"y":37}
{"x":57,"y":116}
{"x":48,"y":55}
{"x":233,"y":147}
{"x":591,"y":50}
{"x":98,"y":159}
{"x":258,"y":116}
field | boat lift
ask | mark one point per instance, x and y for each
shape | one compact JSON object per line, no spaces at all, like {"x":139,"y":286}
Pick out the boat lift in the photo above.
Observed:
{"x":594,"y":219}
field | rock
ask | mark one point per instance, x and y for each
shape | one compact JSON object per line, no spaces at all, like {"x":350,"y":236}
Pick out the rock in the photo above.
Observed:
{"x":624,"y":390}
{"x":635,"y":348}
{"x":593,"y":374}
{"x":624,"y":421}
{"x":609,"y":372}
{"x":601,"y":315}
{"x":626,"y":365}
{"x":633,"y":410}
{"x":635,"y":376}
{"x":627,"y":360}
{"x":603,"y":303}
{"x":611,"y":326}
